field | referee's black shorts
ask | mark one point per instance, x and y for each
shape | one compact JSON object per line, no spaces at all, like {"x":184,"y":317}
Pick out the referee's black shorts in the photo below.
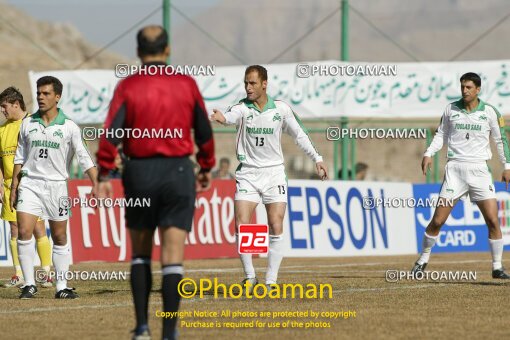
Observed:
{"x":169,"y":183}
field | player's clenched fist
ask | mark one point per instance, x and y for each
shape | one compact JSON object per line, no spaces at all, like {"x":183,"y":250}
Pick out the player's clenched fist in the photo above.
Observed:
{"x":217,"y":116}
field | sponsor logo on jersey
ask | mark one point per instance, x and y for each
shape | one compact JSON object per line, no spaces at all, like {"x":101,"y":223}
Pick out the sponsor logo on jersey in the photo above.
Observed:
{"x":449,"y":190}
{"x":259,"y":131}
{"x":455,"y":115}
{"x":483,"y":117}
{"x":33,"y":130}
{"x":277,"y":117}
{"x":471,"y":127}
{"x":45,"y":144}
{"x":250,"y":117}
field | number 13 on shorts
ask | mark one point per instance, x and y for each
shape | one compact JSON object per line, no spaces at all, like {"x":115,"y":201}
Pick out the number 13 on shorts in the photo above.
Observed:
{"x":253,"y":239}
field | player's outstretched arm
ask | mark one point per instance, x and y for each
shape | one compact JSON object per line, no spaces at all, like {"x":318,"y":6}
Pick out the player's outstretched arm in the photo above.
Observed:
{"x":218,"y":116}
{"x":426,"y":163}
{"x":293,"y":127}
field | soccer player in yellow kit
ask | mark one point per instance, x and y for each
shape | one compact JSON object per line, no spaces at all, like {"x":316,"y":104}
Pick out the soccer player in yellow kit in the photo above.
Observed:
{"x":13,"y":108}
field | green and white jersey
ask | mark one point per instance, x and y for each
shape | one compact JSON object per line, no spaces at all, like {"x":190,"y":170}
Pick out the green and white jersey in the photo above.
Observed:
{"x":46,"y":151}
{"x":259,"y":133}
{"x":467,"y":134}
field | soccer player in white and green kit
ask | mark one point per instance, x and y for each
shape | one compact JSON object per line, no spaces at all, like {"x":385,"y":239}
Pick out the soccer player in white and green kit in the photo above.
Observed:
{"x":260,"y":121}
{"x":46,"y":144}
{"x":465,"y":128}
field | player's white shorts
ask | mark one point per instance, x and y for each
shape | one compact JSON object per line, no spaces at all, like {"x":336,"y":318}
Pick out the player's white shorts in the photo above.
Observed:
{"x":463,"y":178}
{"x":270,"y":183}
{"x":42,"y":198}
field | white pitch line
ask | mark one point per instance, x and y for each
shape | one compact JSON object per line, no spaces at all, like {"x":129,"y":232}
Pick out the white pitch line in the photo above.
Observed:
{"x":235,"y":270}
{"x":378,"y":289}
{"x":51,"y":309}
{"x":209,"y":270}
{"x":208,"y":297}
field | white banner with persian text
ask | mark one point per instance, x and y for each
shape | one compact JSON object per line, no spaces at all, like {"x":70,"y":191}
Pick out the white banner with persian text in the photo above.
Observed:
{"x":326,"y":89}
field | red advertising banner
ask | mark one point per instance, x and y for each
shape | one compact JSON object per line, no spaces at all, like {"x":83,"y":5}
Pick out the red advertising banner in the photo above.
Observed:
{"x":100,"y":234}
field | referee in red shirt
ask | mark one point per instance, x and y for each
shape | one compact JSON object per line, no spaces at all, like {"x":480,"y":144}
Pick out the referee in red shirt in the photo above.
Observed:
{"x":157,"y":168}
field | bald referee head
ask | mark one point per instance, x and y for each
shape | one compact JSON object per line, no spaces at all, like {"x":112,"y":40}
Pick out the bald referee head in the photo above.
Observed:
{"x":152,"y":44}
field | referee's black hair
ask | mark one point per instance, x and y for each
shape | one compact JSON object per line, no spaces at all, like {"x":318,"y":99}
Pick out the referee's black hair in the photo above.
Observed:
{"x":261,"y":70}
{"x":49,"y":80}
{"x":475,"y":78}
{"x":151,"y":45}
{"x":12,"y":95}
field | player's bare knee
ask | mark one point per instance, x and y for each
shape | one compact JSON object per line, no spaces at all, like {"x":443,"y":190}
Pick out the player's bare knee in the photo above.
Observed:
{"x":437,"y":222}
{"x":492,"y":223}
{"x":241,"y":221}
{"x":38,"y":232}
{"x":24,"y":232}
{"x":59,"y":238}
{"x":143,"y":249}
{"x":14,"y":230}
{"x":24,"y":236}
{"x":275,"y":229}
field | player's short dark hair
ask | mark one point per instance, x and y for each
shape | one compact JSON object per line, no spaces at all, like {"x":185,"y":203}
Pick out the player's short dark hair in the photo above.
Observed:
{"x":12,"y":95}
{"x":261,"y":70}
{"x":49,"y":80}
{"x":475,"y":78}
{"x":147,"y":46}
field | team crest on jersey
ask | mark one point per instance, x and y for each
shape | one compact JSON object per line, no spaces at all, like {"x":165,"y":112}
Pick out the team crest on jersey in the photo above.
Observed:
{"x":249,"y":118}
{"x":483,"y":117}
{"x":277,"y":117}
{"x":58,"y":133}
{"x":455,"y":116}
{"x":33,"y":130}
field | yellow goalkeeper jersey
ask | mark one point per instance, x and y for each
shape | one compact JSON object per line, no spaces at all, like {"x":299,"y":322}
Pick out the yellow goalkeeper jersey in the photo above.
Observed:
{"x":8,"y":142}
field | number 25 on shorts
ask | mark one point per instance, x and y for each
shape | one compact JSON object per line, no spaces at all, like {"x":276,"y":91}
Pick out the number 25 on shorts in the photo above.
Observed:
{"x":253,"y":239}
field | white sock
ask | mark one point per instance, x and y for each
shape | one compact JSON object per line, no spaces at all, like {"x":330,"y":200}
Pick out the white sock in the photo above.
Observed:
{"x":497,"y":253}
{"x":246,"y":260}
{"x":61,"y":260}
{"x":26,"y":255}
{"x":427,"y":244}
{"x":274,"y":258}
